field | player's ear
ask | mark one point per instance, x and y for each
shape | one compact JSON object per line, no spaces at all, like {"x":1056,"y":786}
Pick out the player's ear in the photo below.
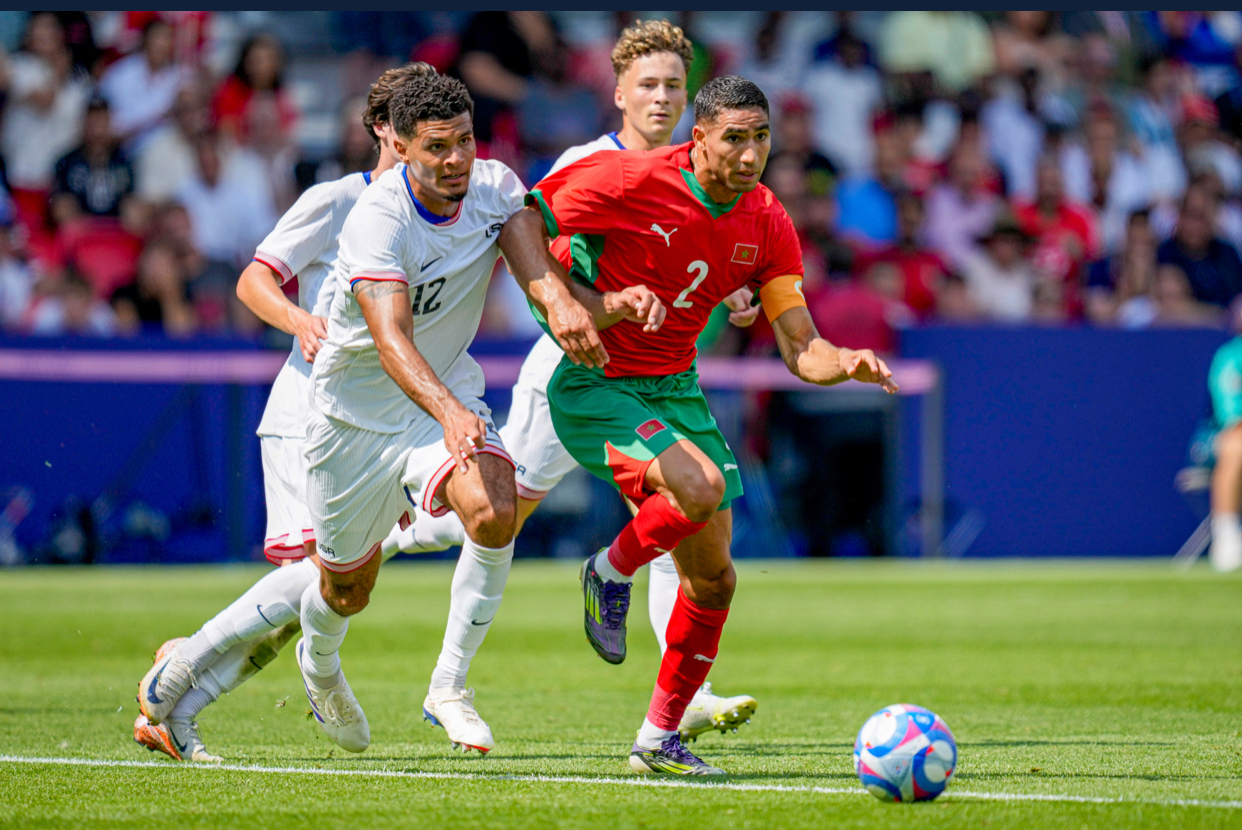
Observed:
{"x":617,"y":97}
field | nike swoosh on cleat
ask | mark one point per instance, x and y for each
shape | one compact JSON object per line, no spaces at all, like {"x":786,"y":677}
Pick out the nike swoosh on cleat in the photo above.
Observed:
{"x":476,"y":622}
{"x":429,"y":264}
{"x":151,"y":696}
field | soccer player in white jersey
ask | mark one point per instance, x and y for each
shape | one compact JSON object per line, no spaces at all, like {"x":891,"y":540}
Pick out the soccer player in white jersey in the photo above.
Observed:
{"x":397,"y":418}
{"x":651,"y":60}
{"x":190,"y":674}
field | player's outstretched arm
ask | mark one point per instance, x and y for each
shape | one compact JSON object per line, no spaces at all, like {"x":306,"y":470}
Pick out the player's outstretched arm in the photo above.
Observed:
{"x":544,"y":279}
{"x":815,"y":360}
{"x":386,"y":308}
{"x":259,"y":288}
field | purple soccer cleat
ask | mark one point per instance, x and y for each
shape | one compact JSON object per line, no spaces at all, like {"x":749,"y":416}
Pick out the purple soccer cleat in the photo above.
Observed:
{"x":607,"y":604}
{"x":671,"y":758}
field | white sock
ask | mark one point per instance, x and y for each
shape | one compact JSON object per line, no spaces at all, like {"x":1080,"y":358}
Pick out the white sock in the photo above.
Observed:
{"x":661,"y":594}
{"x":270,"y":603}
{"x":191,"y":703}
{"x":478,"y":585}
{"x":1226,"y":551}
{"x":605,"y":568}
{"x":324,"y":631}
{"x":651,"y":736}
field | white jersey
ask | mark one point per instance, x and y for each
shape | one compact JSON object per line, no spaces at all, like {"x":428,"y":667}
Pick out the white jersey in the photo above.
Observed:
{"x":608,"y":141}
{"x":446,"y":263}
{"x":304,"y":244}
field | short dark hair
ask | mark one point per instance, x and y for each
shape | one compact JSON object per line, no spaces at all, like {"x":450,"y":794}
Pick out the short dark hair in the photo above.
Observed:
{"x":383,"y":89}
{"x":728,"y":92}
{"x":427,"y":98}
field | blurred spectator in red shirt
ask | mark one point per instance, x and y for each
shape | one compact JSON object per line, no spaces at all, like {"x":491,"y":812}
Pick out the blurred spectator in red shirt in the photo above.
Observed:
{"x":921,"y":268}
{"x":258,"y":76}
{"x":866,"y":311}
{"x":1065,"y":235}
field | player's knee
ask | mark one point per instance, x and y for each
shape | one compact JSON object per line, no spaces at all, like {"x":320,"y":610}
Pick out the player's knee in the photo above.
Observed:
{"x":701,"y":495}
{"x":348,"y":600}
{"x":715,"y":588}
{"x":493,"y":525}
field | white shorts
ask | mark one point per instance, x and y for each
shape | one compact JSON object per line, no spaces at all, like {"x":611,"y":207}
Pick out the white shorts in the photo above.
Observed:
{"x":284,"y":485}
{"x":539,"y":457}
{"x":360,"y":482}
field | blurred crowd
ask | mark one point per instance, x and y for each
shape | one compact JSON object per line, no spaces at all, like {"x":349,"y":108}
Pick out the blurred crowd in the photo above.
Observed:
{"x":1021,"y":167}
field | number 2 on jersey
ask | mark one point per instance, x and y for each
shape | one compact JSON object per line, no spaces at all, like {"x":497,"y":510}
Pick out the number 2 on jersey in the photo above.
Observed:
{"x":700,"y":266}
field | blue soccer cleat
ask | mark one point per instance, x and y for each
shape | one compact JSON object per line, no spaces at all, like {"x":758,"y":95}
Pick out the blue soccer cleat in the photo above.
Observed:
{"x":607,"y":604}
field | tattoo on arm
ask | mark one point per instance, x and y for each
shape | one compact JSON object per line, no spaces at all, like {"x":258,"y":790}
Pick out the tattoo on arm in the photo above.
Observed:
{"x":377,"y":289}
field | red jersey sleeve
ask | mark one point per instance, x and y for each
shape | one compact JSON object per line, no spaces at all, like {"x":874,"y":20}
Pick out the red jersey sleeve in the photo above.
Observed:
{"x":779,"y":278}
{"x":583,"y":197}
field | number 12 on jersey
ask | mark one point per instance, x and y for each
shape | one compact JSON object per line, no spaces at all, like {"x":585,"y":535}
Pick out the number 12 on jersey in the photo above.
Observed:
{"x":700,"y":266}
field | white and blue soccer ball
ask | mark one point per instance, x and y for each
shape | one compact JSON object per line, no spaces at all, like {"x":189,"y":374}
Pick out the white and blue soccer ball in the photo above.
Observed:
{"x":905,"y":753}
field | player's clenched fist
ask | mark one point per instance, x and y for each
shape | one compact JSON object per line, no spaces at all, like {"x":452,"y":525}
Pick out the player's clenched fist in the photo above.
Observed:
{"x":309,"y":330}
{"x":464,"y":434}
{"x":574,"y":329}
{"x":863,"y":366}
{"x":638,"y":304}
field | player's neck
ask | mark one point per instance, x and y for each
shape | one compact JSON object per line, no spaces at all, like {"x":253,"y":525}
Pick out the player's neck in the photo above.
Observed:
{"x":715,"y":191}
{"x":632,"y":139}
{"x":433,"y":203}
{"x":387,"y":161}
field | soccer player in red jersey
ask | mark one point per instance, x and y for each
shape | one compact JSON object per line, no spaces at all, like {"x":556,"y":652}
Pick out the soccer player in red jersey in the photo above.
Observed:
{"x":693,"y":224}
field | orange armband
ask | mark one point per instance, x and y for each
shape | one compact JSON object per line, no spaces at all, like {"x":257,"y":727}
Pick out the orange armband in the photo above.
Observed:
{"x":781,"y":294}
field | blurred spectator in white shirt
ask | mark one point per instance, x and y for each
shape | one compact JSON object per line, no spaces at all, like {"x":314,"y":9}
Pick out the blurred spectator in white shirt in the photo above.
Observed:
{"x":73,"y":309}
{"x":142,"y":87}
{"x":1101,"y":174}
{"x":47,"y":102}
{"x":998,"y":276}
{"x":846,"y":94}
{"x":1014,"y":132}
{"x":1152,"y":110}
{"x":230,"y":208}
{"x":16,"y":279}
{"x":168,"y":159}
{"x":961,"y":209}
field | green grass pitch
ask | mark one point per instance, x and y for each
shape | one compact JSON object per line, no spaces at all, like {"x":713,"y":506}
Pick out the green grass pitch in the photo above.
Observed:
{"x":1117,"y":684}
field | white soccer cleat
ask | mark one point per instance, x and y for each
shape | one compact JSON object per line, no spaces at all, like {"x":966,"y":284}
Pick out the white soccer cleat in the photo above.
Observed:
{"x":336,"y":709}
{"x":708,"y":711}
{"x":169,"y":677}
{"x":453,"y":710}
{"x":178,"y":739}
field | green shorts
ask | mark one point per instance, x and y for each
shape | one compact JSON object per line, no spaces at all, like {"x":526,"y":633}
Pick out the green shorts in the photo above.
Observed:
{"x":615,"y":427}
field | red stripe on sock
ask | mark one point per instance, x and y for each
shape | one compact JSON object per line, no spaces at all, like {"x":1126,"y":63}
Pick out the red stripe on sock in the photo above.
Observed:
{"x":657,"y":528}
{"x":693,"y":638}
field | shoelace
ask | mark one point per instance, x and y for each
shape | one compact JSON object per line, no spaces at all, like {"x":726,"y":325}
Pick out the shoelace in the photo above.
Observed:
{"x":673,"y":748}
{"x":616,"y":602}
{"x":466,"y":698}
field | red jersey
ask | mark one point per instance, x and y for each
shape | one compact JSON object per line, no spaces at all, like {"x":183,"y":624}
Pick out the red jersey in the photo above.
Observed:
{"x":642,"y":219}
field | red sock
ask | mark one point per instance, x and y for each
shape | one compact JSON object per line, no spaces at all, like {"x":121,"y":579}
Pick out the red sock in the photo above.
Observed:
{"x":657,"y":528}
{"x":693,"y":639}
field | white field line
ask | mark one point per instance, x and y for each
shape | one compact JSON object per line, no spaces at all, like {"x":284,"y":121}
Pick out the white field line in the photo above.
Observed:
{"x":630,"y":782}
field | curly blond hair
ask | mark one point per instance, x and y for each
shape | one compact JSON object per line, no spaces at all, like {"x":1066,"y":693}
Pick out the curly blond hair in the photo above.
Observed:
{"x":646,"y":37}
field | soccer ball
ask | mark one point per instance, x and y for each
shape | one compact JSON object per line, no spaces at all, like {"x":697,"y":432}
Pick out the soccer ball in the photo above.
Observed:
{"x":905,"y":753}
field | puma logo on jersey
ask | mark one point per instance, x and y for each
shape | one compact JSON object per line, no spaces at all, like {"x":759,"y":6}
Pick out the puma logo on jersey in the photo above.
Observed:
{"x":730,"y":467}
{"x":661,"y":232}
{"x":705,"y":658}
